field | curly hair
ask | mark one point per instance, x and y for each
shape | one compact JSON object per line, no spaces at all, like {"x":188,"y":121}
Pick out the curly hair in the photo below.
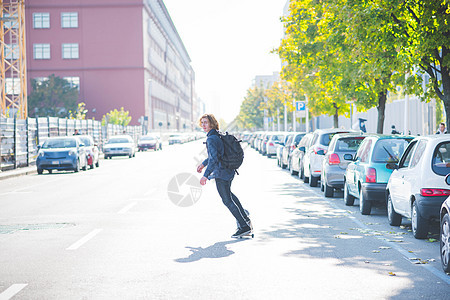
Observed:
{"x":212,"y":121}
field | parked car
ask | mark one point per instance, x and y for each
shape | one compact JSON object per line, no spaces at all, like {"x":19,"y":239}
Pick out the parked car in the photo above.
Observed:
{"x":290,"y":145}
{"x":416,"y":188}
{"x":274,"y":140}
{"x":296,"y":158}
{"x":280,"y":148}
{"x":445,"y":231}
{"x":61,"y":153}
{"x":176,"y":138}
{"x":366,"y":176}
{"x":92,"y":152}
{"x":312,"y":162}
{"x":334,"y":164}
{"x":149,"y":142}
{"x":119,"y":145}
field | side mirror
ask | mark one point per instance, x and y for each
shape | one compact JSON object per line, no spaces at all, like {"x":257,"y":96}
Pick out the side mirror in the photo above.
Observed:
{"x":81,"y":145}
{"x":321,"y":152}
{"x":447,"y":179}
{"x":392,"y":166}
{"x":302,"y":148}
{"x":39,"y":147}
{"x":348,"y":156}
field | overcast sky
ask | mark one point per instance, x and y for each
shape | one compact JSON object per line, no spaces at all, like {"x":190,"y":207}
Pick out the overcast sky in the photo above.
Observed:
{"x":229,"y":43}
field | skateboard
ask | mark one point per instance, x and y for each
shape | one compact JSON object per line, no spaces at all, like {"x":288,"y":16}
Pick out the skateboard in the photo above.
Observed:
{"x":248,"y":235}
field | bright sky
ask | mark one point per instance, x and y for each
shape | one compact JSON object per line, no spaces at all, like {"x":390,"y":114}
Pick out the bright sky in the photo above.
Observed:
{"x":229,"y":43}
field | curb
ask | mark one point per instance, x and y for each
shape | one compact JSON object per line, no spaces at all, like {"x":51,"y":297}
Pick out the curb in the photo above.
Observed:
{"x":17,"y":173}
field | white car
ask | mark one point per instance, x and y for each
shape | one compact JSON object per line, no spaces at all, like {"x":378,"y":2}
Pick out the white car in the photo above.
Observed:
{"x":272,"y":144}
{"x":417,"y":188}
{"x":119,"y":145}
{"x":312,"y":161}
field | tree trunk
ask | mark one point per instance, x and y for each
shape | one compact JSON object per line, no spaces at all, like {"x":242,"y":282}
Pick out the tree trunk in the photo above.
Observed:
{"x":445,"y":95}
{"x":336,"y":116}
{"x":382,"y":96}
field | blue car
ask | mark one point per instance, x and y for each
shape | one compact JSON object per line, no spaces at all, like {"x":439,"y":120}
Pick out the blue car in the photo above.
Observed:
{"x":61,"y":153}
{"x":366,"y":176}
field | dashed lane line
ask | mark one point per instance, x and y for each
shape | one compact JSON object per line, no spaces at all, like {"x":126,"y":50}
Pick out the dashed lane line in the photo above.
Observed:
{"x":12,"y":291}
{"x":126,"y":208}
{"x":83,"y":240}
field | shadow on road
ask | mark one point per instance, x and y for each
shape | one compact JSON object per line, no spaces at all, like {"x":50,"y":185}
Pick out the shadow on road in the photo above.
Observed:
{"x":218,"y":250}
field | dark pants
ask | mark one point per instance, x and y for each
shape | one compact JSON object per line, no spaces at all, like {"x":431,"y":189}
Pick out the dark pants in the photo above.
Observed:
{"x":232,"y":202}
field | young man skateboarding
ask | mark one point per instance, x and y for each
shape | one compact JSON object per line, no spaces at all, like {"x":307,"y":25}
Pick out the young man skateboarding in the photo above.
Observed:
{"x":222,"y":176}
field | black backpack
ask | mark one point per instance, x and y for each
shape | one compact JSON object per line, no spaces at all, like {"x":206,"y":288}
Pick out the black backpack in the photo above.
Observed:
{"x":233,"y":154}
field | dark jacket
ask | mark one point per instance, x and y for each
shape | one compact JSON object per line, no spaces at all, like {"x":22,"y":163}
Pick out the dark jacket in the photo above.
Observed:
{"x":214,"y":169}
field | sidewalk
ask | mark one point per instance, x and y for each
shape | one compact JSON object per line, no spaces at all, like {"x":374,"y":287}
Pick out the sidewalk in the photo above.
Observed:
{"x":18,"y":172}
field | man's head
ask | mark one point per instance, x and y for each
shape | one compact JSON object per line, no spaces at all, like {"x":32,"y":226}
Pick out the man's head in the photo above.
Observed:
{"x":208,"y":122}
{"x":442,"y":126}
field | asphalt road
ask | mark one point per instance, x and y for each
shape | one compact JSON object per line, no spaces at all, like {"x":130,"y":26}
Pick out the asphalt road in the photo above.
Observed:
{"x":114,"y":233}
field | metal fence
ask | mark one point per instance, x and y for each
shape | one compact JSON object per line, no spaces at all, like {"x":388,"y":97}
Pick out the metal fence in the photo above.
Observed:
{"x":19,"y":139}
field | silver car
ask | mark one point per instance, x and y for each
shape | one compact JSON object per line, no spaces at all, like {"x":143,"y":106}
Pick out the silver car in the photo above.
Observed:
{"x":119,"y":145}
{"x":334,"y":164}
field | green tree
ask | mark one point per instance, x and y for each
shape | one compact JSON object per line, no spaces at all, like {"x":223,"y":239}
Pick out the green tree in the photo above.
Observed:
{"x":251,"y":114}
{"x":80,"y":113}
{"x":53,"y":97}
{"x":117,"y":117}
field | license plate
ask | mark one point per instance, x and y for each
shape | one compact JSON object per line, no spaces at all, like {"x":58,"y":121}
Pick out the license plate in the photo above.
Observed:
{"x":55,"y":162}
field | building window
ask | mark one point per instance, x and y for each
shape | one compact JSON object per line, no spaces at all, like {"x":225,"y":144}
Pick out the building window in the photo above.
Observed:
{"x":41,"y":20}
{"x":12,"y":86}
{"x":70,"y":51}
{"x":73,"y":81}
{"x":69,"y":20}
{"x":41,"y":51}
{"x":11,"y":51}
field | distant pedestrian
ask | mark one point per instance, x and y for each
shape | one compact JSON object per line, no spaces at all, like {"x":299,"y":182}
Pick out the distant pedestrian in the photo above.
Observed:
{"x":394,"y":131}
{"x":222,"y":176}
{"x":442,"y":129}
{"x":76,"y":132}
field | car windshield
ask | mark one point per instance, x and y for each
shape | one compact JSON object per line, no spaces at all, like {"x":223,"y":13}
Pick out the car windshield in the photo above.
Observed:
{"x":325,"y":138}
{"x":298,"y":137}
{"x":147,"y":138}
{"x":86,"y":141}
{"x":349,"y":144}
{"x":389,"y":150}
{"x":118,"y":141}
{"x":59,"y":143}
{"x":441,"y":159}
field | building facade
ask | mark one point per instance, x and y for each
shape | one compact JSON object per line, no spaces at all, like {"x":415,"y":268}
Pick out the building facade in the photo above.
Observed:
{"x":119,"y":53}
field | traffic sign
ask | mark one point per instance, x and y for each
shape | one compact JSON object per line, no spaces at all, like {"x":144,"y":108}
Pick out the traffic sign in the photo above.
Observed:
{"x":300,"y":106}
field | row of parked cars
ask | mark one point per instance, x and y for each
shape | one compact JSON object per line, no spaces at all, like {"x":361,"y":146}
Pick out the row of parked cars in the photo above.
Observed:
{"x":410,"y":175}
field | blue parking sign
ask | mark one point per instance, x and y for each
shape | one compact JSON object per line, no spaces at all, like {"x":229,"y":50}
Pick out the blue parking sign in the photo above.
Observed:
{"x":300,"y":105}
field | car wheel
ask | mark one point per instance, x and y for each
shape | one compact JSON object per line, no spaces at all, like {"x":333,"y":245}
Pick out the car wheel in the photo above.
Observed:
{"x":349,"y":200}
{"x":445,"y":243}
{"x":77,"y":166}
{"x":283,"y":166}
{"x":394,"y":218}
{"x":50,"y":171}
{"x":106,"y":156}
{"x":313,"y":181}
{"x":419,"y":225}
{"x":302,"y":174}
{"x":305,"y":179}
{"x":365,"y":206}
{"x":293,"y":172}
{"x":328,"y":190}
{"x":39,"y":171}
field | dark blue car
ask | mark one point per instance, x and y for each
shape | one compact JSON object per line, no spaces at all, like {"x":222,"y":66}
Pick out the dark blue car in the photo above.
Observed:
{"x":61,"y":153}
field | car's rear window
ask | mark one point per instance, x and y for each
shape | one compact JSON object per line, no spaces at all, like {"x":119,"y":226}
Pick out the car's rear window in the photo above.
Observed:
{"x":389,"y":150}
{"x":325,"y":138}
{"x":441,"y":159}
{"x":349,"y":144}
{"x":147,"y":138}
{"x":86,"y":141}
{"x":277,"y":137}
{"x":118,"y":141}
{"x":298,"y":137}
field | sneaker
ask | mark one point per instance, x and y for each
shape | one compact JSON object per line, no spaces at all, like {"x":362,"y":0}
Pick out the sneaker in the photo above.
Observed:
{"x":242,"y":231}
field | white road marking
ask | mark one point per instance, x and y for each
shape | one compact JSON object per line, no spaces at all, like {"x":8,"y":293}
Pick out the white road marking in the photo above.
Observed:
{"x":150,"y":192}
{"x":12,"y":291}
{"x":126,"y":208}
{"x":83,"y":240}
